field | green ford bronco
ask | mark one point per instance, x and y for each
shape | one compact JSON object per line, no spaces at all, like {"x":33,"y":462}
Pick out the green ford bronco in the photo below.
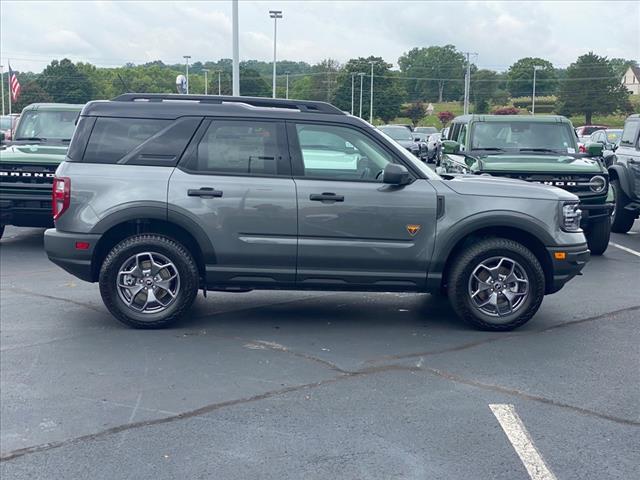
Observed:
{"x":29,"y":162}
{"x":539,"y":149}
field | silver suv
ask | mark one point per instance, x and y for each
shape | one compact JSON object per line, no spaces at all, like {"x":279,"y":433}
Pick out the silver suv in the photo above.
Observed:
{"x":161,"y":195}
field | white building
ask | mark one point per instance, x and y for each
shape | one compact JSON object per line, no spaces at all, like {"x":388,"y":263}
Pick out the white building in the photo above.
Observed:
{"x":631,"y":80}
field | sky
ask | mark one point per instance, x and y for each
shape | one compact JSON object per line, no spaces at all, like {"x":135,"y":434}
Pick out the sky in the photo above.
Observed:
{"x":111,"y":33}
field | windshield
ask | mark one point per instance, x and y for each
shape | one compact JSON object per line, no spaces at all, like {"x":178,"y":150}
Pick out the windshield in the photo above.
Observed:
{"x":613,"y":135}
{"x":523,"y":136}
{"x":397,"y":133}
{"x":427,"y":130}
{"x":46,"y":125}
{"x":5,"y":122}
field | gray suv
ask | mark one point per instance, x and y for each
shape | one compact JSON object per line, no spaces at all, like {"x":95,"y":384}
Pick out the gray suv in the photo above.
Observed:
{"x":161,"y":195}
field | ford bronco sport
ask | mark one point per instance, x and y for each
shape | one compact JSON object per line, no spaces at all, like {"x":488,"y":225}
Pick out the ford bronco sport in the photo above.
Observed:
{"x":539,"y":149}
{"x":161,"y":195}
{"x":28,"y":164}
{"x":625,"y":177}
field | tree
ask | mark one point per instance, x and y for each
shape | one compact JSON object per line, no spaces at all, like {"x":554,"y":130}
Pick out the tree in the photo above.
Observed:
{"x":31,"y":92}
{"x":520,"y":77}
{"x":388,"y":94}
{"x":484,"y":85}
{"x":621,"y":65}
{"x":506,"y":111}
{"x":434,"y":73}
{"x":65,"y":83}
{"x":445,"y":117}
{"x":592,"y":86}
{"x":415,"y":111}
{"x":252,"y":84}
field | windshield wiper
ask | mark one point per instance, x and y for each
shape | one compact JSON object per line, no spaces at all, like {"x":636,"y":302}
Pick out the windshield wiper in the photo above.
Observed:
{"x":32,"y":139}
{"x":545,"y":150}
{"x":489,"y":149}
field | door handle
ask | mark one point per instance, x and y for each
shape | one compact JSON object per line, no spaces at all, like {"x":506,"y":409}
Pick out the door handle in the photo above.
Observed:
{"x":326,"y":197}
{"x":205,"y":192}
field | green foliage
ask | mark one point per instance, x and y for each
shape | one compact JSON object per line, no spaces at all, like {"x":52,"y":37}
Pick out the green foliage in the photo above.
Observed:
{"x":484,"y":85}
{"x":31,"y":92}
{"x":621,"y":65}
{"x":252,"y":84}
{"x":520,"y":77}
{"x":525,"y":102}
{"x":592,"y":87}
{"x":415,"y":111}
{"x":442,"y":68}
{"x":65,"y":83}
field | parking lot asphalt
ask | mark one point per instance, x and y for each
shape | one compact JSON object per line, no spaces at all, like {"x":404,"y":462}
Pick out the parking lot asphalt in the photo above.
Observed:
{"x":315,"y":385}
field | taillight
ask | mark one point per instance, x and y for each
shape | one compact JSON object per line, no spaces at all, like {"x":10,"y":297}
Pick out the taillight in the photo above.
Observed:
{"x":61,"y":196}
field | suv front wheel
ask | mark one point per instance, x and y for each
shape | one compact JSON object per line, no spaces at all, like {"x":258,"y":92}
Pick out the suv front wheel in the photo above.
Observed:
{"x":148,"y":281}
{"x":496,"y":284}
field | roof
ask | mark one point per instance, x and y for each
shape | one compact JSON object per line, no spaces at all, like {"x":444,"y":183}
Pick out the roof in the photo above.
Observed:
{"x":635,"y":70}
{"x":170,"y":106}
{"x":512,"y":118}
{"x":54,"y":106}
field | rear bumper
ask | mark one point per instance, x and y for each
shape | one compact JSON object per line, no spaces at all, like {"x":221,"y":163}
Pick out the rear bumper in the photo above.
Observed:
{"x":576,"y":258}
{"x":61,"y":250}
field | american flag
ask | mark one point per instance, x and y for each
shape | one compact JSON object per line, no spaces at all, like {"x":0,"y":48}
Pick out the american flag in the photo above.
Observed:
{"x":14,"y":85}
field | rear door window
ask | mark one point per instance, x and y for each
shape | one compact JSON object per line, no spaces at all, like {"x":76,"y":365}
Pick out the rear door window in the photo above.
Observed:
{"x":630,"y":133}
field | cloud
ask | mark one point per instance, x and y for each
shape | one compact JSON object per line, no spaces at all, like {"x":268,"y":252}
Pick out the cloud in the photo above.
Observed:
{"x":113,"y":33}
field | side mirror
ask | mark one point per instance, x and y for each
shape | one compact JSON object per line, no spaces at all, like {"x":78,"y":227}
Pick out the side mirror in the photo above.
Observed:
{"x":441,"y":170}
{"x":450,"y":146}
{"x":608,"y":156}
{"x":594,"y":149}
{"x":396,"y":174}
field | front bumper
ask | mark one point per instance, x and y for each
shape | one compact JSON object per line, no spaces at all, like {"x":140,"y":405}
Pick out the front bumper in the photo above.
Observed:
{"x":593,"y":212}
{"x":576,"y":257}
{"x":61,"y":250}
{"x":29,"y":208}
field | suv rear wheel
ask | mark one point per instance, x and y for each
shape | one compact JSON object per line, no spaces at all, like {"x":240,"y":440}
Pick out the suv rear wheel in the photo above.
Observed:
{"x":148,"y":281}
{"x":496,"y":284}
{"x":621,"y":219}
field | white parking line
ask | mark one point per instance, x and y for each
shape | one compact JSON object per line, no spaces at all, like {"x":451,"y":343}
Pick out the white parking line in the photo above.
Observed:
{"x":626,"y":249}
{"x":521,"y":441}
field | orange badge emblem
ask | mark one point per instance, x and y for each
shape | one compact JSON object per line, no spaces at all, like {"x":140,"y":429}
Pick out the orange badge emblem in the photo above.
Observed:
{"x":413,"y":229}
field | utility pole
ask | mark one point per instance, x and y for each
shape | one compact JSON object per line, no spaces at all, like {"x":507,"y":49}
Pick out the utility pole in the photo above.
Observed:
{"x":371,"y":101}
{"x":275,"y":14}
{"x":186,"y":59}
{"x":287,"y":85}
{"x":533,"y":96}
{"x":2,"y":87}
{"x":361,"y":78}
{"x":236,"y":51}
{"x":467,"y":82}
{"x":353,"y":76}
{"x":205,"y":70}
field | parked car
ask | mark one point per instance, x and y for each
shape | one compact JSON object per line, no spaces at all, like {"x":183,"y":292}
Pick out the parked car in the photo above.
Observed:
{"x":160,"y":198}
{"x":625,"y":177}
{"x":434,"y":148}
{"x":608,"y":138}
{"x":408,"y":126}
{"x":426,"y":130}
{"x":7,"y":127}
{"x":537,"y":149}
{"x":585,"y":131}
{"x":404,"y":137}
{"x":28,"y":164}
{"x":422,"y":141}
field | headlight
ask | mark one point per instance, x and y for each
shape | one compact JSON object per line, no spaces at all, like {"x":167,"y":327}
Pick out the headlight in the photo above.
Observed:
{"x":597,"y":184}
{"x":571,"y":216}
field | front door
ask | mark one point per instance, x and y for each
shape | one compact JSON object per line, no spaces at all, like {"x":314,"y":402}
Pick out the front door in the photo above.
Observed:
{"x":235,"y":183}
{"x":353,"y":230}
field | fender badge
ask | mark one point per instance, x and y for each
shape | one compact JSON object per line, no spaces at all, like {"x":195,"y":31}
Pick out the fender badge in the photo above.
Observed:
{"x":413,"y":229}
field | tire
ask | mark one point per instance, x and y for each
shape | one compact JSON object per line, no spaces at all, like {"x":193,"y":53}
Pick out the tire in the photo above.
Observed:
{"x":1,"y":230}
{"x":490,"y":250}
{"x":167,"y":263}
{"x":598,"y":233}
{"x":621,"y":219}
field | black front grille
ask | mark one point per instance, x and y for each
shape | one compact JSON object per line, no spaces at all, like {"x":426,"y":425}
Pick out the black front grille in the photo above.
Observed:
{"x":578,"y":184}
{"x":27,"y":174}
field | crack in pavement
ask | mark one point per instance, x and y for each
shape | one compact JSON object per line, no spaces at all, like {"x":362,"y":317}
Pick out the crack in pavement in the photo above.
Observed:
{"x":24,"y":291}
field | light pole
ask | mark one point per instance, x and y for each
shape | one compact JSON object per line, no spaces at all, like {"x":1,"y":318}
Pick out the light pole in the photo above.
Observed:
{"x":287,"y":85}
{"x":371,"y":101}
{"x":533,"y":94}
{"x":219,"y":83}
{"x":236,"y":51}
{"x":186,"y":60}
{"x":206,"y":83}
{"x":361,"y":78}
{"x":275,"y":14}
{"x":353,"y":76}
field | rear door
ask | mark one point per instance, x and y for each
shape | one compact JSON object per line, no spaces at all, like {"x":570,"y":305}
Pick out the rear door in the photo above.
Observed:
{"x":235,"y":182}
{"x":355,"y":231}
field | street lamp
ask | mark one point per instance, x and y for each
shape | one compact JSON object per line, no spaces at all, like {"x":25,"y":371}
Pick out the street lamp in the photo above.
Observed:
{"x":219,"y":83}
{"x":353,"y":76}
{"x":361,"y":78}
{"x":186,"y":60}
{"x":206,"y":83}
{"x":371,"y":101}
{"x":533,"y":96}
{"x":275,"y":14}
{"x":287,"y":85}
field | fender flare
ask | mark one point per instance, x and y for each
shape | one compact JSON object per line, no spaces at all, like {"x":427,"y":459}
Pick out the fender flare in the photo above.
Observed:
{"x":621,"y":173}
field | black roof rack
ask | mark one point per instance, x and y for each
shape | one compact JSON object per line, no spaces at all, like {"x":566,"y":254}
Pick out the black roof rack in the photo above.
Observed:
{"x":302,"y":105}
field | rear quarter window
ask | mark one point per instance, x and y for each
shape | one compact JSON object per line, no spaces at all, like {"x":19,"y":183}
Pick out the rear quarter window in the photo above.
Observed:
{"x":630,"y":132}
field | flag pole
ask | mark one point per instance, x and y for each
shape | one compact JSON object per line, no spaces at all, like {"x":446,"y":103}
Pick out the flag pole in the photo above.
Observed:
{"x":9,"y":85}
{"x":2,"y":86}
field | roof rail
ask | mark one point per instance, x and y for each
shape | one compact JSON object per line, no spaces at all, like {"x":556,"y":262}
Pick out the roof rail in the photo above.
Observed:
{"x":302,"y":105}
